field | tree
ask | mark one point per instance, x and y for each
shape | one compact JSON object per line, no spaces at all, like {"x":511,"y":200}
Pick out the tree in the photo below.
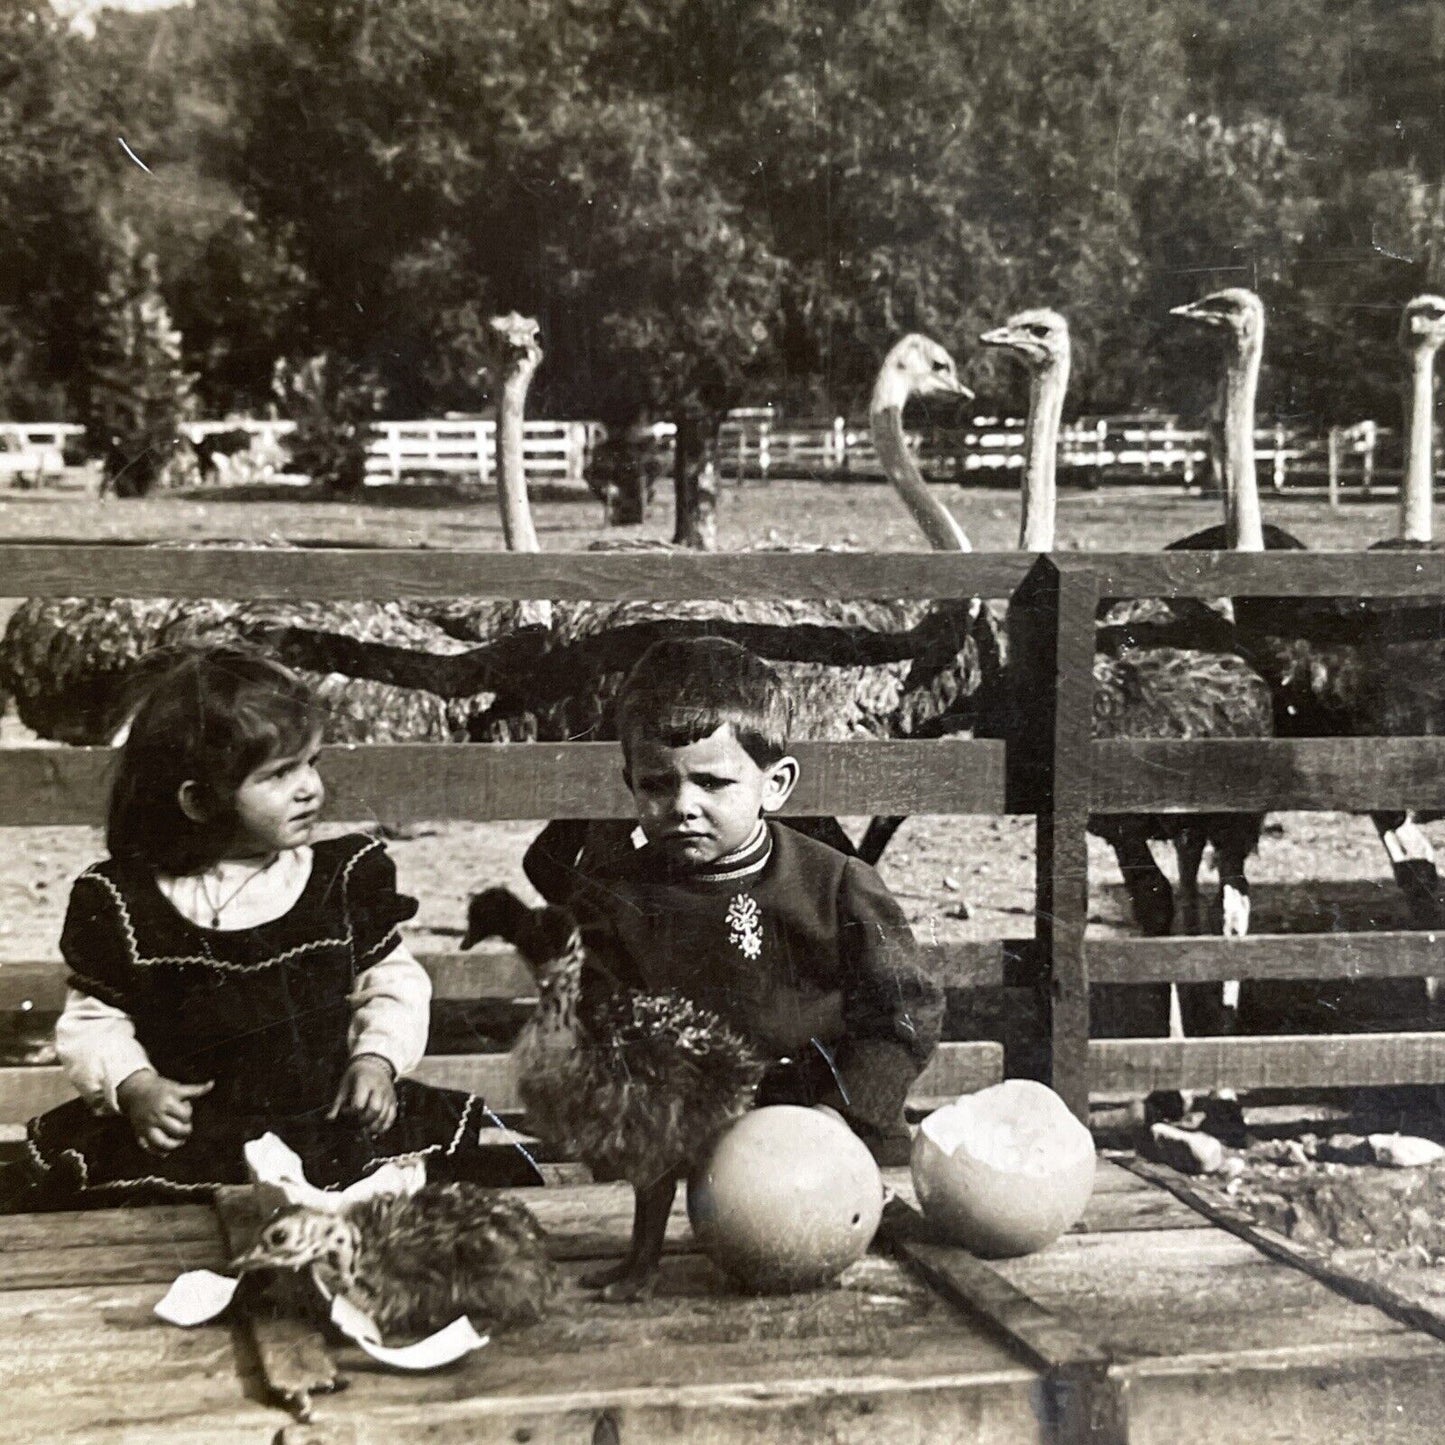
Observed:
{"x":51,"y":235}
{"x":140,"y":392}
{"x":333,"y":403}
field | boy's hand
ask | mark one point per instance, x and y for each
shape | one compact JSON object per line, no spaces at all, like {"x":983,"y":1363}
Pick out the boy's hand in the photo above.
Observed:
{"x":368,"y":1092}
{"x":159,"y":1109}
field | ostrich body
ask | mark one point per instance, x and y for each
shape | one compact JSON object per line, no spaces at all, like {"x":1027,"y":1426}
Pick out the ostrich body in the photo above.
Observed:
{"x":1422,"y":332}
{"x":1354,"y":667}
{"x":633,"y":1084}
{"x":414,"y":1263}
{"x":70,"y":662}
{"x":1177,"y":691}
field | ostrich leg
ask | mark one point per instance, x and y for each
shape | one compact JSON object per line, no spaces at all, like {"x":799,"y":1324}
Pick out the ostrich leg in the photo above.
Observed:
{"x":633,"y":1278}
{"x":1412,"y":861}
{"x":1149,"y":892}
{"x":876,"y":838}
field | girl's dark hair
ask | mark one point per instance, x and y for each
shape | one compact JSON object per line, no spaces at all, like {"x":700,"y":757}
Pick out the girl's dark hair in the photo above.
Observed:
{"x":210,"y":719}
{"x":683,"y":689}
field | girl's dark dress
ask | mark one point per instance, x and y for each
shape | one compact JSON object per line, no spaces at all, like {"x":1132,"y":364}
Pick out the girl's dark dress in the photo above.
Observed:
{"x":264,"y":1012}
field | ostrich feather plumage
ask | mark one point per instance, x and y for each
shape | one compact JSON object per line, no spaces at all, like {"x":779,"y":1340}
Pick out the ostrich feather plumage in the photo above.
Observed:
{"x":415,"y":1262}
{"x":633,"y":1084}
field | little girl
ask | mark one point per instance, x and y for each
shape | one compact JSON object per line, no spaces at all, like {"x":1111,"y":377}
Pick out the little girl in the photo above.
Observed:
{"x":230,"y":977}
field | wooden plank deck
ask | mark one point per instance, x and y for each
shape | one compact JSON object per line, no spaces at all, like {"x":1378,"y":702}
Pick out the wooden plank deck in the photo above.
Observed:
{"x":1176,"y":1331}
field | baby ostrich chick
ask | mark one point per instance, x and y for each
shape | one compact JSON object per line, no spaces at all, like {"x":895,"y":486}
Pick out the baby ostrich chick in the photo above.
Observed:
{"x":416,"y":1262}
{"x":633,"y":1084}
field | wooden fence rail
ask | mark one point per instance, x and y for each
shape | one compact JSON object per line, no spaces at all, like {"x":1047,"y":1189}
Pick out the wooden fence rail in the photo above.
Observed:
{"x":1050,"y":767}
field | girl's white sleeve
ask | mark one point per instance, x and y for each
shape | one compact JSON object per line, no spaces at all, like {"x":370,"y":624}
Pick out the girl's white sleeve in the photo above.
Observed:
{"x":97,"y":1047}
{"x":391,"y":1011}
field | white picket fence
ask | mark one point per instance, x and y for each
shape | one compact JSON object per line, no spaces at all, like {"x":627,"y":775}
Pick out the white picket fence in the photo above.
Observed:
{"x":1143,"y":448}
{"x":551,"y":450}
{"x":753,"y":445}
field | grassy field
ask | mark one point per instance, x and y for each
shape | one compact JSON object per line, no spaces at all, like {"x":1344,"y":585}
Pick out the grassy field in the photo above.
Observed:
{"x":568,"y":517}
{"x":957,"y":878}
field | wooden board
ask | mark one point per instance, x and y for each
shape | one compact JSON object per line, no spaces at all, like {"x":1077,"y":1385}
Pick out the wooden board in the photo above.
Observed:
{"x":1173,"y":1325}
{"x":495,"y":971}
{"x":410,"y":782}
{"x":1251,"y":774}
{"x":116,"y":569}
{"x":1261,"y":574}
{"x":1149,"y":1294}
{"x":1261,"y":955}
{"x":90,"y":1362}
{"x":881,"y":1357}
{"x":954,"y":1069}
{"x":1124,"y":1067}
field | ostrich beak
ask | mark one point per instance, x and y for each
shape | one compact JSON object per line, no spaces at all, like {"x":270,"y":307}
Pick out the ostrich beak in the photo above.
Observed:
{"x":999,"y":336}
{"x":1196,"y":311}
{"x":957,"y":388}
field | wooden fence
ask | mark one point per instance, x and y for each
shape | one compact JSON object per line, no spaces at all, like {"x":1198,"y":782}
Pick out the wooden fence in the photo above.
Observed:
{"x":1135,"y":448}
{"x":754,"y":446}
{"x":556,"y":451}
{"x":1050,"y":768}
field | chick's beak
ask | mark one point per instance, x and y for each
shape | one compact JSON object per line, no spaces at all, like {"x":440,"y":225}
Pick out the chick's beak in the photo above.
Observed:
{"x":251,"y":1259}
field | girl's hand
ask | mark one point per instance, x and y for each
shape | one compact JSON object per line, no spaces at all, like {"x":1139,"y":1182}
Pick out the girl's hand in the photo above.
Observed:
{"x":368,"y":1092}
{"x":159,"y":1109}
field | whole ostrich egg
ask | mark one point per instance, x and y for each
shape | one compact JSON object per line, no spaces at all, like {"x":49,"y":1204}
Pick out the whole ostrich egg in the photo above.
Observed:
{"x":785,"y":1199}
{"x":1004,"y":1171}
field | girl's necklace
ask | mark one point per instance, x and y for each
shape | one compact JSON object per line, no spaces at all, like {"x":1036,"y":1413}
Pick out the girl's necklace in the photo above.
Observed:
{"x":221,"y":903}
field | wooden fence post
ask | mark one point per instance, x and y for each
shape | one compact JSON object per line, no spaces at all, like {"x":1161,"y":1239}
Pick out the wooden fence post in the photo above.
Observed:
{"x":1334,"y":465}
{"x":1051,"y":643}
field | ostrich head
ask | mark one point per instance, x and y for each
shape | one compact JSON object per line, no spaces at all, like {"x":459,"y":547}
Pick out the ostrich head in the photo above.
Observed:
{"x":1235,"y":310}
{"x":515,"y":348}
{"x":1422,"y":324}
{"x":916,"y":367}
{"x":1039,"y":338}
{"x":297,"y":1236}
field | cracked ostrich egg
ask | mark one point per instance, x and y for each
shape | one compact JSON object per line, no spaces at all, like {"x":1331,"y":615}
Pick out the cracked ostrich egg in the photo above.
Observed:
{"x":1004,"y":1171}
{"x":785,"y":1199}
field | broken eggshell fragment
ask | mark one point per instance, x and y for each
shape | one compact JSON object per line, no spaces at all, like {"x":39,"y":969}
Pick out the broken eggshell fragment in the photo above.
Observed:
{"x":1004,"y":1171}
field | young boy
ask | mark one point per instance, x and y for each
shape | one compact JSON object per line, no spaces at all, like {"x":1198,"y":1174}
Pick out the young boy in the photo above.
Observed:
{"x":799,"y":946}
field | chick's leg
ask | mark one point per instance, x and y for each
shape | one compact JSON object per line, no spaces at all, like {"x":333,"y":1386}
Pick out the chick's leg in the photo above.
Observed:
{"x":633,"y":1278}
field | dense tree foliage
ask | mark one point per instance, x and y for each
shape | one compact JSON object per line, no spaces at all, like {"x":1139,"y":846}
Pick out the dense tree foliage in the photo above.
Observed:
{"x":716,"y":204}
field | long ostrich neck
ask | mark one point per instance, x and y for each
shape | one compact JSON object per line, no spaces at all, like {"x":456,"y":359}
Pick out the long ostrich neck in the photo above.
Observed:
{"x":1041,"y":447}
{"x":1243,"y":529}
{"x":517,"y":530}
{"x":1417,"y":485}
{"x":936,"y":521}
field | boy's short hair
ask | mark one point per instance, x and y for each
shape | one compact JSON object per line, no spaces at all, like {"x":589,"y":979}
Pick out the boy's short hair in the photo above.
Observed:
{"x":683,"y":689}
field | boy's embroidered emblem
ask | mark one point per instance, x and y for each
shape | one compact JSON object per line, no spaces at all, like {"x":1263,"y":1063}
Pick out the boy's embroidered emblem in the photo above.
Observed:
{"x":744,"y":920}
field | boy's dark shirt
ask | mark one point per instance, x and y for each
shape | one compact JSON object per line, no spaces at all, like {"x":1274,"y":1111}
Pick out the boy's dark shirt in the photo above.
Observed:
{"x":801,"y":948}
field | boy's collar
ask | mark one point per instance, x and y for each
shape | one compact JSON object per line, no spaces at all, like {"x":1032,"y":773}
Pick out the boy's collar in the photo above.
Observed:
{"x":742,"y":862}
